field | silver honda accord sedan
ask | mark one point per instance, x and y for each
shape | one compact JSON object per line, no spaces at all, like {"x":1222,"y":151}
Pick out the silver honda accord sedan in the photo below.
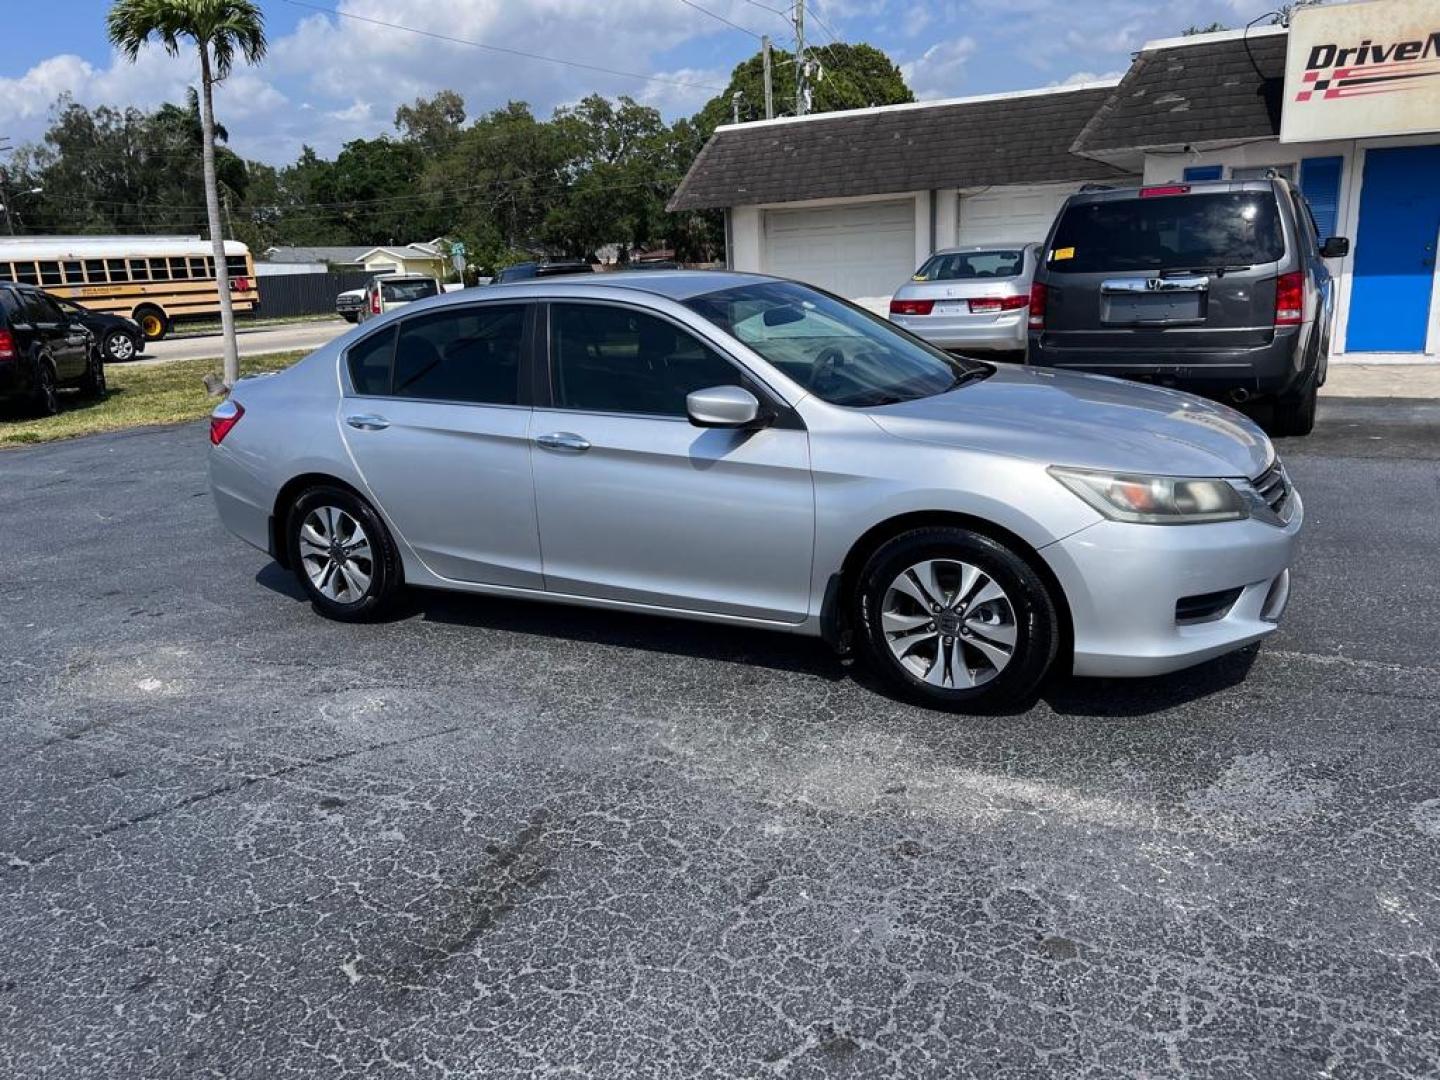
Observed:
{"x":746,"y":450}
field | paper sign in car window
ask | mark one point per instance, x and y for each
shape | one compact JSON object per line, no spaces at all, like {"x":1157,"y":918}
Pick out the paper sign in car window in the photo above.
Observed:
{"x":1062,"y":253}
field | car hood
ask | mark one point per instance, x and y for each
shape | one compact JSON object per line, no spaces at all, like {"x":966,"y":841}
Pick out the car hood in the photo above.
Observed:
{"x":1087,"y":421}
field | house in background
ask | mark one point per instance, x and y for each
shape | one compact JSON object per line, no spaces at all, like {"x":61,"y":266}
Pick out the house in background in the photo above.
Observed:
{"x":427,"y":258}
{"x":1345,"y":103}
{"x":855,"y":201}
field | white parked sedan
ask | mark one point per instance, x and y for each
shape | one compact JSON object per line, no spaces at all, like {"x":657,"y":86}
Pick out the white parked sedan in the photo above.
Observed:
{"x":970,"y":299}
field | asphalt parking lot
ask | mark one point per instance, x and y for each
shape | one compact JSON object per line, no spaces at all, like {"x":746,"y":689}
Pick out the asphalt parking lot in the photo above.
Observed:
{"x":506,"y":840}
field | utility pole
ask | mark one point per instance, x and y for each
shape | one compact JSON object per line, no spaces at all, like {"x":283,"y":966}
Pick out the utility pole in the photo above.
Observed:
{"x":769,"y":87}
{"x":229,"y":224}
{"x":735,"y":106}
{"x":802,"y":93}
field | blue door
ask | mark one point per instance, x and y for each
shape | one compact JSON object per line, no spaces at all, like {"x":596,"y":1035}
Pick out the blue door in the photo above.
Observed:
{"x":1395,"y":250}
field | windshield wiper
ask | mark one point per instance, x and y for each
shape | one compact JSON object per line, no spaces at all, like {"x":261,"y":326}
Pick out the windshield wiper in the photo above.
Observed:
{"x":1219,"y":270}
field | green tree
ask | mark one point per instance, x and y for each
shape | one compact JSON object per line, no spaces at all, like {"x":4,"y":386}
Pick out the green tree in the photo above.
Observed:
{"x":218,"y":29}
{"x":432,"y":123}
{"x":849,"y":77}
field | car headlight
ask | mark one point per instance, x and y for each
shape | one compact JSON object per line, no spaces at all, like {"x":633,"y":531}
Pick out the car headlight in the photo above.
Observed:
{"x":1156,"y":500}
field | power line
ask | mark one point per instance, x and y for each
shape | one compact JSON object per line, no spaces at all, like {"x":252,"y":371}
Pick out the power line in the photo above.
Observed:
{"x":720,"y":18}
{"x":503,"y":48}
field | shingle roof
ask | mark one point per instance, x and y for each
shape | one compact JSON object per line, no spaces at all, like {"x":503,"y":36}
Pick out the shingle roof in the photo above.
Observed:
{"x":1182,"y":94}
{"x":1014,"y":139}
{"x":316,"y":254}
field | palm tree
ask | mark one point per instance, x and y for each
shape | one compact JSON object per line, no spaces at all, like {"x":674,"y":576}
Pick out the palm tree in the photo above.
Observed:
{"x":219,"y":29}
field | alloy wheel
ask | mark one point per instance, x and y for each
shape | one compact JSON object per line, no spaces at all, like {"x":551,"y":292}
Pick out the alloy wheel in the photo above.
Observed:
{"x":949,"y":624}
{"x":336,"y":554}
{"x":120,"y":347}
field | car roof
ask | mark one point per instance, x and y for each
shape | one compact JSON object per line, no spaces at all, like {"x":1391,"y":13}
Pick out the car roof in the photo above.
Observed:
{"x":1195,"y":187}
{"x":998,"y":245}
{"x":672,"y":284}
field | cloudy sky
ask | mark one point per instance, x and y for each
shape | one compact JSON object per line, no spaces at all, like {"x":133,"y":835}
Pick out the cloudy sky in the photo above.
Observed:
{"x":333,"y":77}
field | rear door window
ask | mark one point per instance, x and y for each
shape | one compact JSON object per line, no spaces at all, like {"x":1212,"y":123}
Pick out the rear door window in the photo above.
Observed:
{"x":972,"y":265}
{"x":1170,"y":232}
{"x":469,"y":354}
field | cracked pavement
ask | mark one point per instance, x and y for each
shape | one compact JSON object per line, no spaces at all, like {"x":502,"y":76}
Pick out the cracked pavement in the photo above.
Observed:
{"x":497,"y":839}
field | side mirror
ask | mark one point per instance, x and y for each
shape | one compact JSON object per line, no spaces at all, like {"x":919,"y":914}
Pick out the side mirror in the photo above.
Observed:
{"x":722,"y":407}
{"x":1335,"y":247}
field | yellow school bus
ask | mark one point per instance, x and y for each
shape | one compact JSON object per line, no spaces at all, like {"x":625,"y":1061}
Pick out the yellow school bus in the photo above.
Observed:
{"x":155,"y":280}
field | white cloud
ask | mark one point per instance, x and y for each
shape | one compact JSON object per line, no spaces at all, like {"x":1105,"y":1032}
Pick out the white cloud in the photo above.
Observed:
{"x":940,"y":70}
{"x":1087,"y":77}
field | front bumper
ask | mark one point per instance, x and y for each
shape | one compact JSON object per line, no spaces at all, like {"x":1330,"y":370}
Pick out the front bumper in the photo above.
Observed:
{"x":1123,"y":581}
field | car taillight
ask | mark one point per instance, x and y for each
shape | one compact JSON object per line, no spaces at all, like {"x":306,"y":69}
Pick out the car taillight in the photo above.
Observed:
{"x":983,"y":304}
{"x":1164,"y":189}
{"x":1290,"y":298}
{"x":226,"y":415}
{"x":1037,"y":306}
{"x":7,"y":345}
{"x":375,"y":303}
{"x":911,"y":307}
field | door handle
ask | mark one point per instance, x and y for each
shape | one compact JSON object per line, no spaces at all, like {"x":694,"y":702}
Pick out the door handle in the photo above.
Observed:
{"x":368,"y":422}
{"x":564,"y":441}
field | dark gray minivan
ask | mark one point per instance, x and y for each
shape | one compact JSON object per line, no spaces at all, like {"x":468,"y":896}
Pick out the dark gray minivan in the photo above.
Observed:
{"x":1219,"y":288}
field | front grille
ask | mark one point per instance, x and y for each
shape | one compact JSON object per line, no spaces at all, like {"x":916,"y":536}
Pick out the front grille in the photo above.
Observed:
{"x":1274,"y":487}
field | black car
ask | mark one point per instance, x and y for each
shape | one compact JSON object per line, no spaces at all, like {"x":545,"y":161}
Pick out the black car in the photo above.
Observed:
{"x":526,"y":270}
{"x":43,"y":348}
{"x":119,"y":338}
{"x":1219,"y":288}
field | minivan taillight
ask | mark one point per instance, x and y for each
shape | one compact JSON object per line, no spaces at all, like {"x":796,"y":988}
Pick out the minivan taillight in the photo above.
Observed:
{"x":226,"y":415}
{"x":7,"y":346}
{"x":1290,"y":298}
{"x":982,"y":305}
{"x":375,"y":303}
{"x":911,"y":307}
{"x":1037,"y":306}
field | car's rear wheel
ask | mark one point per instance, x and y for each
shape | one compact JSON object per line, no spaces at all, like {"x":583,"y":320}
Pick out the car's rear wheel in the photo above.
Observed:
{"x":342,"y":554}
{"x":954,"y":619}
{"x":1294,"y":414}
{"x":153,"y":323}
{"x":120,"y":346}
{"x":45,"y":397}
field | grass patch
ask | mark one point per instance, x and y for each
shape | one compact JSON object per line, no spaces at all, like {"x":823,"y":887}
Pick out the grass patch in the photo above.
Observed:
{"x":168,"y":393}
{"x":187,"y":328}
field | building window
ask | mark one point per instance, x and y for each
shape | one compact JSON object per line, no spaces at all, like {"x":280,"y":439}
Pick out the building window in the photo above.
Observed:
{"x":1203,"y":172}
{"x":1320,"y":184}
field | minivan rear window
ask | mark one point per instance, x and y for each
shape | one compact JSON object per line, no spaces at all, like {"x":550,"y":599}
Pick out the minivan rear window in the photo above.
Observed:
{"x":405,"y":291}
{"x":1172,"y":232}
{"x":971,"y":265}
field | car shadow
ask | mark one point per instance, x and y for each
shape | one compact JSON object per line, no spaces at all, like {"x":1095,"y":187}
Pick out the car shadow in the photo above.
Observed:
{"x":1063,"y":694}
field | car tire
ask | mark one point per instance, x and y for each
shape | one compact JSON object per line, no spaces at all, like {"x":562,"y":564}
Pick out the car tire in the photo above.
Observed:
{"x":153,"y":323}
{"x":92,"y":383}
{"x":120,"y":346}
{"x":45,"y":397}
{"x":953,"y":619}
{"x":344,"y":582}
{"x":1294,"y":414}
{"x":350,"y":316}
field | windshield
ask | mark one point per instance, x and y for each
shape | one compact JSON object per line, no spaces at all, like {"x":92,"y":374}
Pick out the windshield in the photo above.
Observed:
{"x":1175,"y":232}
{"x":403,"y":291}
{"x":971,"y":265}
{"x":839,"y":352}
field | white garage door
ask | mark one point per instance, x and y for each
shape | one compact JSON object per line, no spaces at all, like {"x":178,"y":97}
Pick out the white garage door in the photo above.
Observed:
{"x":1020,"y":213}
{"x":862,"y":252}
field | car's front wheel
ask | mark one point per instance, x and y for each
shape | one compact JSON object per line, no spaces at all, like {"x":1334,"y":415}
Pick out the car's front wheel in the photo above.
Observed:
{"x":120,"y":346}
{"x":954,"y":619}
{"x":343,"y":554}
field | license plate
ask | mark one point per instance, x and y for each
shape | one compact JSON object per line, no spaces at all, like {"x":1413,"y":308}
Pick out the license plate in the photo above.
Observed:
{"x":952,"y":307}
{"x":1119,"y":309}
